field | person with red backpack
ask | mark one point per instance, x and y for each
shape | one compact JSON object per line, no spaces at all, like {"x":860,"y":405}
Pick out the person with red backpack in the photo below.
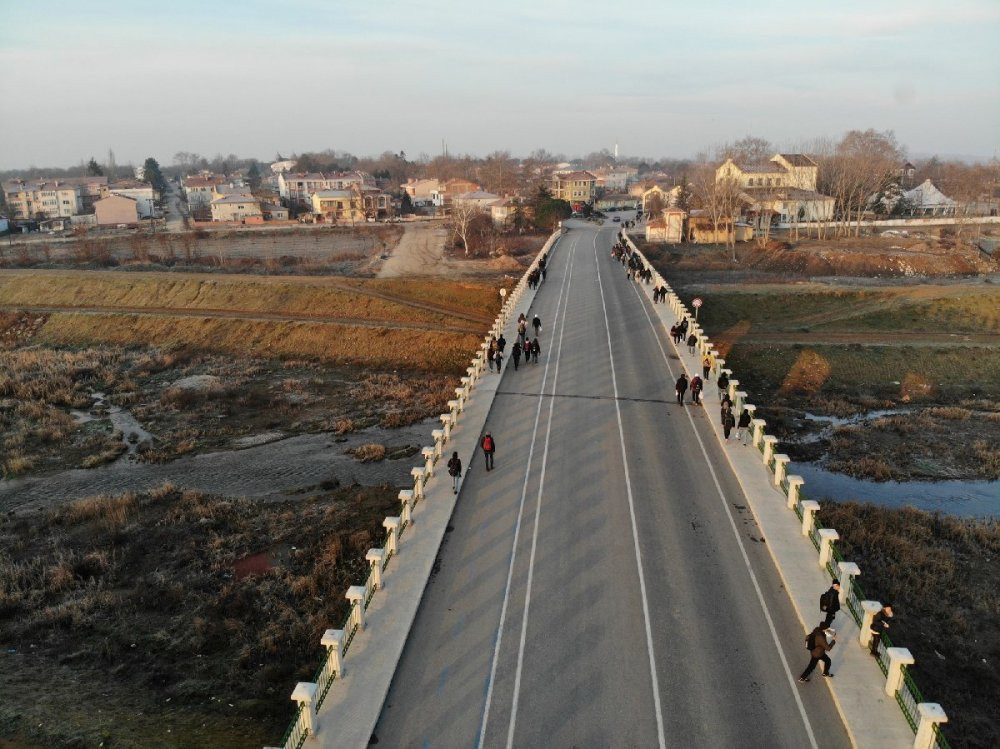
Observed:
{"x":489,"y":447}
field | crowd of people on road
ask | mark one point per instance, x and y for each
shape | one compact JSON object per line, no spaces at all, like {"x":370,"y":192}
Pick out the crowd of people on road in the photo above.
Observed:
{"x":635,"y":269}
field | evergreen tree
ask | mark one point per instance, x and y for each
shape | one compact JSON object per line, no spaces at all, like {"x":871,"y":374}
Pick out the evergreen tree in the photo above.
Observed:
{"x":94,"y":169}
{"x":152,"y":175}
{"x":253,"y":177}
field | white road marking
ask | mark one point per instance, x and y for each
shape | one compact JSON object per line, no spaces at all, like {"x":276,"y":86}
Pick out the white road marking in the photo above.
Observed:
{"x":739,"y":541}
{"x":631,"y":509}
{"x":534,"y":533}
{"x":520,"y":512}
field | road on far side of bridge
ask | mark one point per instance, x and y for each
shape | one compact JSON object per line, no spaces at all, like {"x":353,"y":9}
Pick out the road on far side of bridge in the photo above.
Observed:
{"x":606,"y":584}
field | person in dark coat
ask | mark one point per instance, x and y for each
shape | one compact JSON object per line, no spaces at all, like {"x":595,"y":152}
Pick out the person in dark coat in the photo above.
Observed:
{"x":723,"y":382}
{"x":829,"y":603}
{"x":489,"y":447}
{"x":501,"y":343}
{"x":880,"y":624}
{"x":515,"y":353}
{"x":536,"y":349}
{"x":536,"y":323}
{"x":696,"y":387}
{"x":455,"y":471}
{"x":743,"y":427}
{"x":818,"y":652}
{"x":692,"y":342}
{"x":681,"y":388}
{"x":728,"y":422}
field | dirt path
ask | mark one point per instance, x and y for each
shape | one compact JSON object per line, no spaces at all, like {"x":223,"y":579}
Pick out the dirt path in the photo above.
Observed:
{"x":233,"y":315}
{"x":420,"y":252}
{"x":276,"y":469}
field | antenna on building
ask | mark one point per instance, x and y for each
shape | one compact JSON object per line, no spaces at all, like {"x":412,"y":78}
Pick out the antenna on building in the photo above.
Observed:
{"x":616,"y":150}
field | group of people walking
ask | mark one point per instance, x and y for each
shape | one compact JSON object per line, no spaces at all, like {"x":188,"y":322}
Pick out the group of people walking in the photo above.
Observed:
{"x":635,"y":269}
{"x":525,"y":347}
{"x":536,"y":276}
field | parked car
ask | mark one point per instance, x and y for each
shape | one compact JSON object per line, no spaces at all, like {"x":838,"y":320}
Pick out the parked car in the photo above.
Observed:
{"x":617,"y":219}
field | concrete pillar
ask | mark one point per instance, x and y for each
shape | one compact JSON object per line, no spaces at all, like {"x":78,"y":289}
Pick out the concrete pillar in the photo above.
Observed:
{"x":391,"y":525}
{"x":794,"y":485}
{"x":376,"y":560}
{"x":734,"y":385}
{"x":809,"y":509}
{"x":769,"y":442}
{"x":446,"y":424}
{"x":305,"y":694}
{"x":898,"y":657}
{"x":455,"y":407}
{"x":739,"y":400}
{"x":757,"y":433}
{"x":826,"y":538}
{"x":429,"y":455}
{"x":931,"y":714}
{"x":781,"y":462}
{"x":460,"y":395}
{"x":869,"y":609}
{"x":356,"y":595}
{"x":333,"y":641}
{"x":418,"y":483}
{"x":406,"y":500}
{"x":848,"y":571}
{"x":438,"y":435}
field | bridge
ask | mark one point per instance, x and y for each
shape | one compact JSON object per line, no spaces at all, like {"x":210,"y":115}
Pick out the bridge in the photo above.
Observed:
{"x":609,"y":583}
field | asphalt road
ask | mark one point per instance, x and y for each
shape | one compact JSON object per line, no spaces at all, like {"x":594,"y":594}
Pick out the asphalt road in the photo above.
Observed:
{"x":605,"y":585}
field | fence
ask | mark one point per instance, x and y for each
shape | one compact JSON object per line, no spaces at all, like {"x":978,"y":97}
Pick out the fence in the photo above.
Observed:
{"x":924,"y":718}
{"x":336,"y":642}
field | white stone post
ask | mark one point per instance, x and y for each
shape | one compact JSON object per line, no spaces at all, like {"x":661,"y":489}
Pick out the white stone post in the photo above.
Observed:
{"x":438,"y":435}
{"x":406,"y":500}
{"x":848,"y":571}
{"x":391,"y":524}
{"x":376,"y":558}
{"x":898,"y":657}
{"x":781,"y":462}
{"x":418,"y":483}
{"x":809,"y":508}
{"x":446,"y":423}
{"x":470,"y":377}
{"x":757,"y":425}
{"x":356,"y":595}
{"x":428,"y":453}
{"x":720,"y":363}
{"x":733,"y":387}
{"x":455,"y":407}
{"x":794,"y":486}
{"x":739,"y":401}
{"x":751,"y":409}
{"x":826,"y":538}
{"x":869,"y":609}
{"x":305,"y":694}
{"x":931,"y":714}
{"x":769,"y":442}
{"x":333,"y":641}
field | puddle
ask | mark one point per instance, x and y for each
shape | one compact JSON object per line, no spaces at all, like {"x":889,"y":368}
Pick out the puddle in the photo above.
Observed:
{"x":979,"y":499}
{"x":133,"y":435}
{"x":837,"y":421}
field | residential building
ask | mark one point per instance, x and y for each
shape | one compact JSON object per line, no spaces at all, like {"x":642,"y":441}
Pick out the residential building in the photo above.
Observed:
{"x":283,"y":166}
{"x":338,"y":205}
{"x":301,"y":186}
{"x":478,"y":198}
{"x":42,"y":199}
{"x":615,"y":178}
{"x":782,"y":170}
{"x":274,"y":212}
{"x":574,"y":187}
{"x":656,"y":197}
{"x":116,"y":209}
{"x":701,"y":229}
{"x":782,"y":189}
{"x":92,"y":189}
{"x":443,"y":196}
{"x":787,"y":204}
{"x":138,"y":191}
{"x":421,"y":191}
{"x":617,"y":201}
{"x":926,"y":200}
{"x":198,"y":189}
{"x":242,"y":208}
{"x":502,"y":211}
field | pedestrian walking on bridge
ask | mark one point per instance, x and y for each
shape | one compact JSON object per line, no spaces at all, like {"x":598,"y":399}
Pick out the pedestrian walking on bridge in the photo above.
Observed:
{"x":818,"y":646}
{"x":692,"y":342}
{"x":536,"y":349}
{"x":880,"y":624}
{"x":829,"y":603}
{"x":489,"y":447}
{"x":515,"y":353}
{"x":536,"y":323}
{"x":455,"y":471}
{"x":681,"y":388}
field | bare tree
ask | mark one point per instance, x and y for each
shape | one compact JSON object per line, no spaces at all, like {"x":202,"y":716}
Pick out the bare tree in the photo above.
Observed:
{"x":460,"y":221}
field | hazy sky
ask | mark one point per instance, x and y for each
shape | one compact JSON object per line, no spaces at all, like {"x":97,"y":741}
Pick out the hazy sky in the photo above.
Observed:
{"x":663,"y":78}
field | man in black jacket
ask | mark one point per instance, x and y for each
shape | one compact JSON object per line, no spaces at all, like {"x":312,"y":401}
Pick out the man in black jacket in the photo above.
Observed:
{"x":818,"y":646}
{"x":880,"y":623}
{"x":829,"y":602}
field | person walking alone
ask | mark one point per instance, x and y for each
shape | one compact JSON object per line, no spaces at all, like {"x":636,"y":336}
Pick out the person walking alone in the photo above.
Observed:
{"x":489,"y":447}
{"x":501,"y":343}
{"x":829,"y":603}
{"x":818,"y":647}
{"x":536,"y":323}
{"x":499,"y":360}
{"x":681,"y":388}
{"x":706,"y":367}
{"x":515,"y":353}
{"x":728,"y":422}
{"x":696,"y":387}
{"x":743,"y":427}
{"x":455,"y":471}
{"x":692,"y":342}
{"x":536,"y":349}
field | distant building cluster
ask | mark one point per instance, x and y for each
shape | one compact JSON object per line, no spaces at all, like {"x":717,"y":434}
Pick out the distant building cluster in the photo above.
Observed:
{"x":59,"y":202}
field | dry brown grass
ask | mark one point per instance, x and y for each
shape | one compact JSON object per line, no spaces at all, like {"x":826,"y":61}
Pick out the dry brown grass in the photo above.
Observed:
{"x":951,"y":413}
{"x":865,"y":467}
{"x":370,"y":453}
{"x":989,"y":457}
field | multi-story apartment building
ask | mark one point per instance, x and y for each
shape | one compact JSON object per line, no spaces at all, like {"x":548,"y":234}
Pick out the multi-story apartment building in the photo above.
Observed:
{"x":574,"y":187}
{"x":42,"y":199}
{"x":301,"y":186}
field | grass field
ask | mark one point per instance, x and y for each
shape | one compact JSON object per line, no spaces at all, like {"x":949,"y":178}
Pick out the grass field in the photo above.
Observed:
{"x":171,"y":618}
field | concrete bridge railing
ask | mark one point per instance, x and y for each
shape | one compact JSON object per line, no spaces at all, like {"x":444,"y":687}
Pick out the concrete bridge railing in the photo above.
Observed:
{"x":924,"y":718}
{"x":336,"y":643}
